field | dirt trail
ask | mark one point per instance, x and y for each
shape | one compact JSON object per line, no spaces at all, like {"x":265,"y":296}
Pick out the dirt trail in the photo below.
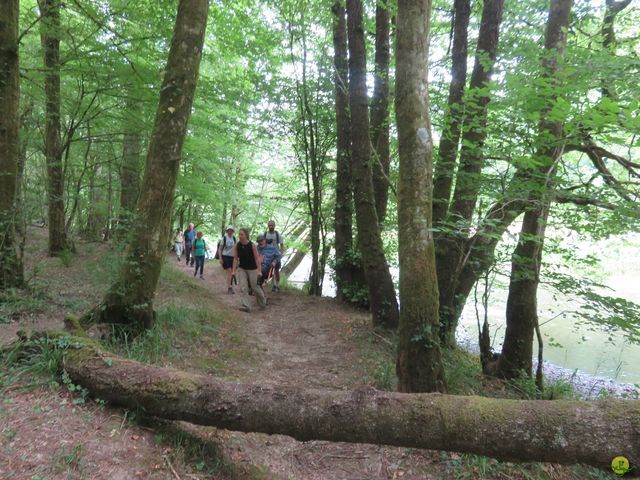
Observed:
{"x":308,"y":342}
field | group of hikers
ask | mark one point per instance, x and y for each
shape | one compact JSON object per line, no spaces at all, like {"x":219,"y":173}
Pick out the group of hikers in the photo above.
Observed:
{"x":249,"y":265}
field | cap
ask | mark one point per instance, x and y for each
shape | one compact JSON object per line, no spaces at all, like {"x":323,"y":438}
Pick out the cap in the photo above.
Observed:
{"x":230,"y":227}
{"x":260,"y":238}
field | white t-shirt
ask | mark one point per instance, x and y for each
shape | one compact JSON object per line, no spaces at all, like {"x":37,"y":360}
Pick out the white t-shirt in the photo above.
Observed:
{"x":227,"y":243}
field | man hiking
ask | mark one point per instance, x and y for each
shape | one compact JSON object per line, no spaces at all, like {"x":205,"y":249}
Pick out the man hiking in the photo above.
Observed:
{"x":269,"y":258}
{"x":225,"y":254}
{"x":189,"y":237}
{"x":274,"y":238}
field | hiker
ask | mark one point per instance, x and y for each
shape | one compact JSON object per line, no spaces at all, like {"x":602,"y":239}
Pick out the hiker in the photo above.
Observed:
{"x":245,"y":262}
{"x":274,"y":237}
{"x":189,"y":237}
{"x":225,"y":254}
{"x":177,"y":243}
{"x":269,"y":258}
{"x":198,"y":250}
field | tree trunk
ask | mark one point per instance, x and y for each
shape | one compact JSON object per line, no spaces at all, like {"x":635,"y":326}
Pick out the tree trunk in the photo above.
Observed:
{"x":131,"y":166}
{"x":95,"y":217}
{"x":522,"y":312}
{"x":50,"y":36}
{"x":609,"y":35}
{"x":11,"y":269}
{"x":515,"y":430}
{"x":522,"y":305}
{"x":450,"y":246}
{"x":448,"y":148}
{"x":130,"y":300}
{"x":382,"y":295}
{"x":344,"y":245}
{"x":419,"y":365}
{"x":380,"y":114}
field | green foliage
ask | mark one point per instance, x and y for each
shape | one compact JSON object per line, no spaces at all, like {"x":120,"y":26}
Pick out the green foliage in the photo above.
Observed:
{"x":66,"y":257}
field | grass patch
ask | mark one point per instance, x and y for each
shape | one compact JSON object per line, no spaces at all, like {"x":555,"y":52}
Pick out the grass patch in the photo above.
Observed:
{"x":179,"y":331}
{"x":15,"y":303}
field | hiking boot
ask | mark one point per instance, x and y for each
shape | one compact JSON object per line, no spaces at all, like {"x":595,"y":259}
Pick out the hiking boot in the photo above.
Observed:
{"x":251,"y":292}
{"x":274,"y":288}
{"x":230,"y":291}
{"x":201,"y":277}
{"x":244,"y":308}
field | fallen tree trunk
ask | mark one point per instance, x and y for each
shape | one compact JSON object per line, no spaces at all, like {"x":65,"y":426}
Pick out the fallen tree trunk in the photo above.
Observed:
{"x":566,"y":432}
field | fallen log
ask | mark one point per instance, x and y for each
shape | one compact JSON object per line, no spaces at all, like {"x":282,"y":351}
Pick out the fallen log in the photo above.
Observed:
{"x":568,"y":432}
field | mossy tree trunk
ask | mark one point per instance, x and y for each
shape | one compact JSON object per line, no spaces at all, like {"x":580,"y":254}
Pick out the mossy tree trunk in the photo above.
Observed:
{"x":515,"y":430}
{"x":419,"y":365}
{"x":50,"y":36}
{"x":129,"y":301}
{"x":522,"y":312}
{"x":382,"y":295}
{"x":11,"y":270}
{"x":450,"y":246}
{"x":380,"y":113}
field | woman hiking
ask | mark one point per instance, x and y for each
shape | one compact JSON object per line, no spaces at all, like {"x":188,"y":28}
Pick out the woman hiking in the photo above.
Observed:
{"x":245,"y":262}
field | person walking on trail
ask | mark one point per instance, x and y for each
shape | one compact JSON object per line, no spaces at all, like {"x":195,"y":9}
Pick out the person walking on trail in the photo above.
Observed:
{"x":189,"y":237}
{"x":273,"y":237}
{"x":199,"y":251}
{"x":177,"y":243}
{"x":269,"y":258}
{"x":246,"y":261}
{"x":226,"y":247}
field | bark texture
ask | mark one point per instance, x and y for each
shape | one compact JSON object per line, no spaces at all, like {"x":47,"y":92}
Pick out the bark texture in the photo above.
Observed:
{"x":382,"y":295}
{"x":450,"y":247}
{"x":516,"y":430}
{"x":11,"y":272}
{"x":380,"y":113}
{"x":522,"y":312}
{"x":344,"y":193}
{"x":419,"y":365}
{"x":130,"y":300}
{"x":448,"y":147}
{"x":50,"y":36}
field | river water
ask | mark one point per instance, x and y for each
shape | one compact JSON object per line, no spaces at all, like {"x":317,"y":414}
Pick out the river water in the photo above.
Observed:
{"x":589,"y":357}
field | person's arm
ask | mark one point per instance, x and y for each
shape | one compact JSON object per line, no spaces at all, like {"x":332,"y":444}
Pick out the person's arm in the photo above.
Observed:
{"x":257,"y":258}
{"x":277,"y":257}
{"x":220,"y":251}
{"x":235,"y":258}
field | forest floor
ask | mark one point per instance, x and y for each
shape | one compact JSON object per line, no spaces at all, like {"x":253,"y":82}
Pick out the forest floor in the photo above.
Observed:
{"x":50,"y":431}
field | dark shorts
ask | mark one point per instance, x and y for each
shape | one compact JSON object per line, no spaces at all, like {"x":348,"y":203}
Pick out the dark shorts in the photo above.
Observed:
{"x":227,"y":262}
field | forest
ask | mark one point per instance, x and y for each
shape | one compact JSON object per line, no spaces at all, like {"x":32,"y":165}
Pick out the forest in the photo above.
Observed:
{"x":424,"y":198}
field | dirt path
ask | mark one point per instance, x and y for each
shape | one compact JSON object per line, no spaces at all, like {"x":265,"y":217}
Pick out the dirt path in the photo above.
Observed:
{"x":309,"y":342}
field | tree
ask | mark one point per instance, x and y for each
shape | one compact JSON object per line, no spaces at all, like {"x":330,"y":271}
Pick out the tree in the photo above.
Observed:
{"x":419,"y":365}
{"x":382,"y":295}
{"x":50,"y":33}
{"x":514,"y":430}
{"x":11,"y":271}
{"x":380,"y":113}
{"x":449,"y":246}
{"x":129,"y":301}
{"x":522,"y":311}
{"x":450,"y":136}
{"x":344,"y":194}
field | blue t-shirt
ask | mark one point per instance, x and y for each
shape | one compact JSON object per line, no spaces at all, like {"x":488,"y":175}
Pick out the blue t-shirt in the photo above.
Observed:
{"x":189,"y":236}
{"x":270,"y":252}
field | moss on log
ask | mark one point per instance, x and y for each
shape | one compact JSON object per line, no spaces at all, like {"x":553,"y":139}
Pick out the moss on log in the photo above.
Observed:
{"x":589,"y":432}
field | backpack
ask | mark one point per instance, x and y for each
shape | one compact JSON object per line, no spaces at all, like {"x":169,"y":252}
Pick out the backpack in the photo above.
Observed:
{"x":277,"y":237}
{"x":224,"y":244}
